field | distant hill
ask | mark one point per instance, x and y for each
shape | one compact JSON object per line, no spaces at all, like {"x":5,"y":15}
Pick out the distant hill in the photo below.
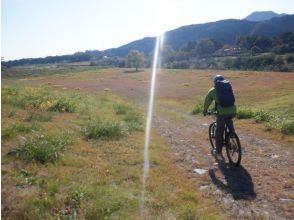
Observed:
{"x":225,"y":31}
{"x":263,"y":16}
{"x":145,"y":45}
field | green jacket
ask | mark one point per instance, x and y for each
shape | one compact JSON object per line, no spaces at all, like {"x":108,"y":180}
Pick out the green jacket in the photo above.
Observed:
{"x":210,"y":97}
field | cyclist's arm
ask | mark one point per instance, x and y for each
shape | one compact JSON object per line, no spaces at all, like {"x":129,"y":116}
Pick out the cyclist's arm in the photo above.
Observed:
{"x":208,"y":99}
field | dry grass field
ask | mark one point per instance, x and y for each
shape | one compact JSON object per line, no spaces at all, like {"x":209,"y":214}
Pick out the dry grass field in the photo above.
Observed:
{"x":72,"y":145}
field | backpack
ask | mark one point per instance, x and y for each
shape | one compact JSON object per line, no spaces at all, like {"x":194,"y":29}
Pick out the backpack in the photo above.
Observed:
{"x":224,"y":93}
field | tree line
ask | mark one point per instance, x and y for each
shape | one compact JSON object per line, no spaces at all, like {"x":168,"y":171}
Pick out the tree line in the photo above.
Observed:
{"x":255,"y":52}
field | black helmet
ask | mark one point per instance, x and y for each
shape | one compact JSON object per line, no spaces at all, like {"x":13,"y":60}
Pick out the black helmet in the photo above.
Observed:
{"x":218,"y":78}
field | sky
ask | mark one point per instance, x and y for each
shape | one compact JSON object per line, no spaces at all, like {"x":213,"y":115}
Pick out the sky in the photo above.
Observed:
{"x":39,"y":28}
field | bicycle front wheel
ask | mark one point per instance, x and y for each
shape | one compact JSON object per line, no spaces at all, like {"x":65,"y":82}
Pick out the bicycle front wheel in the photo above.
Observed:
{"x":211,"y":134}
{"x":233,"y":148}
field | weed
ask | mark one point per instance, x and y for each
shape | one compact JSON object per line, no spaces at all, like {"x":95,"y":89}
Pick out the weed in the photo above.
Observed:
{"x":133,"y":117}
{"x":245,"y":113}
{"x":7,"y":94}
{"x":8,"y":133}
{"x":38,"y":116}
{"x":75,"y":198}
{"x":42,"y":204}
{"x":63,"y":104}
{"x":121,"y":109}
{"x":273,"y":121}
{"x":11,"y":114}
{"x":38,"y":98}
{"x":197,"y":109}
{"x":42,"y":148}
{"x":103,"y":130}
{"x":188,"y":211}
{"x":11,"y":131}
{"x":133,"y":121}
{"x":52,"y":187}
{"x":263,"y":116}
{"x":106,"y":203}
{"x":25,"y":179}
{"x":190,"y":196}
{"x":24,"y":129}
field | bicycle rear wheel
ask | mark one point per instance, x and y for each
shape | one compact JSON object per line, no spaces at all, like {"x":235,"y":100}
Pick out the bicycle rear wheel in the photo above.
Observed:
{"x":233,"y":149}
{"x":211,"y":134}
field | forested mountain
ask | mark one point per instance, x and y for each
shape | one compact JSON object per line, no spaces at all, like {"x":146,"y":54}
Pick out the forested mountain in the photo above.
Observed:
{"x":224,"y":31}
{"x":263,"y":16}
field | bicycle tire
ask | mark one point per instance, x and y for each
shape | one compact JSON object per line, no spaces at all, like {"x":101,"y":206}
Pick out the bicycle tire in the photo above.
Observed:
{"x":211,"y":134}
{"x":233,"y":146}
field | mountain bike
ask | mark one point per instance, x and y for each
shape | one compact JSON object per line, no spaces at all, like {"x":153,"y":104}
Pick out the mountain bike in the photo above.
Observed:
{"x":231,"y":142}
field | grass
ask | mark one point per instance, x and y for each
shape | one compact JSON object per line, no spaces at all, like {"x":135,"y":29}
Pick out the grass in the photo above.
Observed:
{"x":130,"y":116}
{"x":61,"y":178}
{"x":11,"y":131}
{"x":121,"y":109}
{"x":134,"y":121}
{"x":101,"y":178}
{"x":287,"y":127}
{"x":245,"y":113}
{"x":197,"y":109}
{"x":103,"y":130}
{"x":43,"y":148}
{"x":37,"y":116}
{"x":39,"y":98}
{"x":272,"y":120}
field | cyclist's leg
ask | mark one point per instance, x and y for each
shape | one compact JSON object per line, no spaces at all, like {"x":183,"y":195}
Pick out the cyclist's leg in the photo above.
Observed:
{"x":230,"y":124}
{"x":220,"y":127}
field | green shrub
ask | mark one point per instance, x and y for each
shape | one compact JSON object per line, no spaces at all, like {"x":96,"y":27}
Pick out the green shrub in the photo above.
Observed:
{"x":287,"y":127}
{"x":103,"y":130}
{"x":42,"y":148}
{"x":245,"y":112}
{"x":64,"y":104}
{"x":272,"y":121}
{"x":263,"y":116}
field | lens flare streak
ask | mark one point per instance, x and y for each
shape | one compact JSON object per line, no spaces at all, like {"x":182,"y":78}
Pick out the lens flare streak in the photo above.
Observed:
{"x":155,"y":69}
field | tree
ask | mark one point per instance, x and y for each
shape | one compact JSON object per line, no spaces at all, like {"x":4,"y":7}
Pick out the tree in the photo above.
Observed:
{"x":207,"y":47}
{"x":135,"y":59}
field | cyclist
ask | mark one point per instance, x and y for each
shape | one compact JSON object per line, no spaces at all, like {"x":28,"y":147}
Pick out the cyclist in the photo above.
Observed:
{"x":224,"y":115}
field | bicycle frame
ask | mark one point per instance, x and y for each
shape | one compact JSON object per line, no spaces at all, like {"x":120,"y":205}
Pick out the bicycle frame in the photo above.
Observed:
{"x":230,"y":141}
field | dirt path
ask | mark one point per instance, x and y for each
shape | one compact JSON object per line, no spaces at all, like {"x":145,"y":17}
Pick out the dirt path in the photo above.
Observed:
{"x":261,"y":188}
